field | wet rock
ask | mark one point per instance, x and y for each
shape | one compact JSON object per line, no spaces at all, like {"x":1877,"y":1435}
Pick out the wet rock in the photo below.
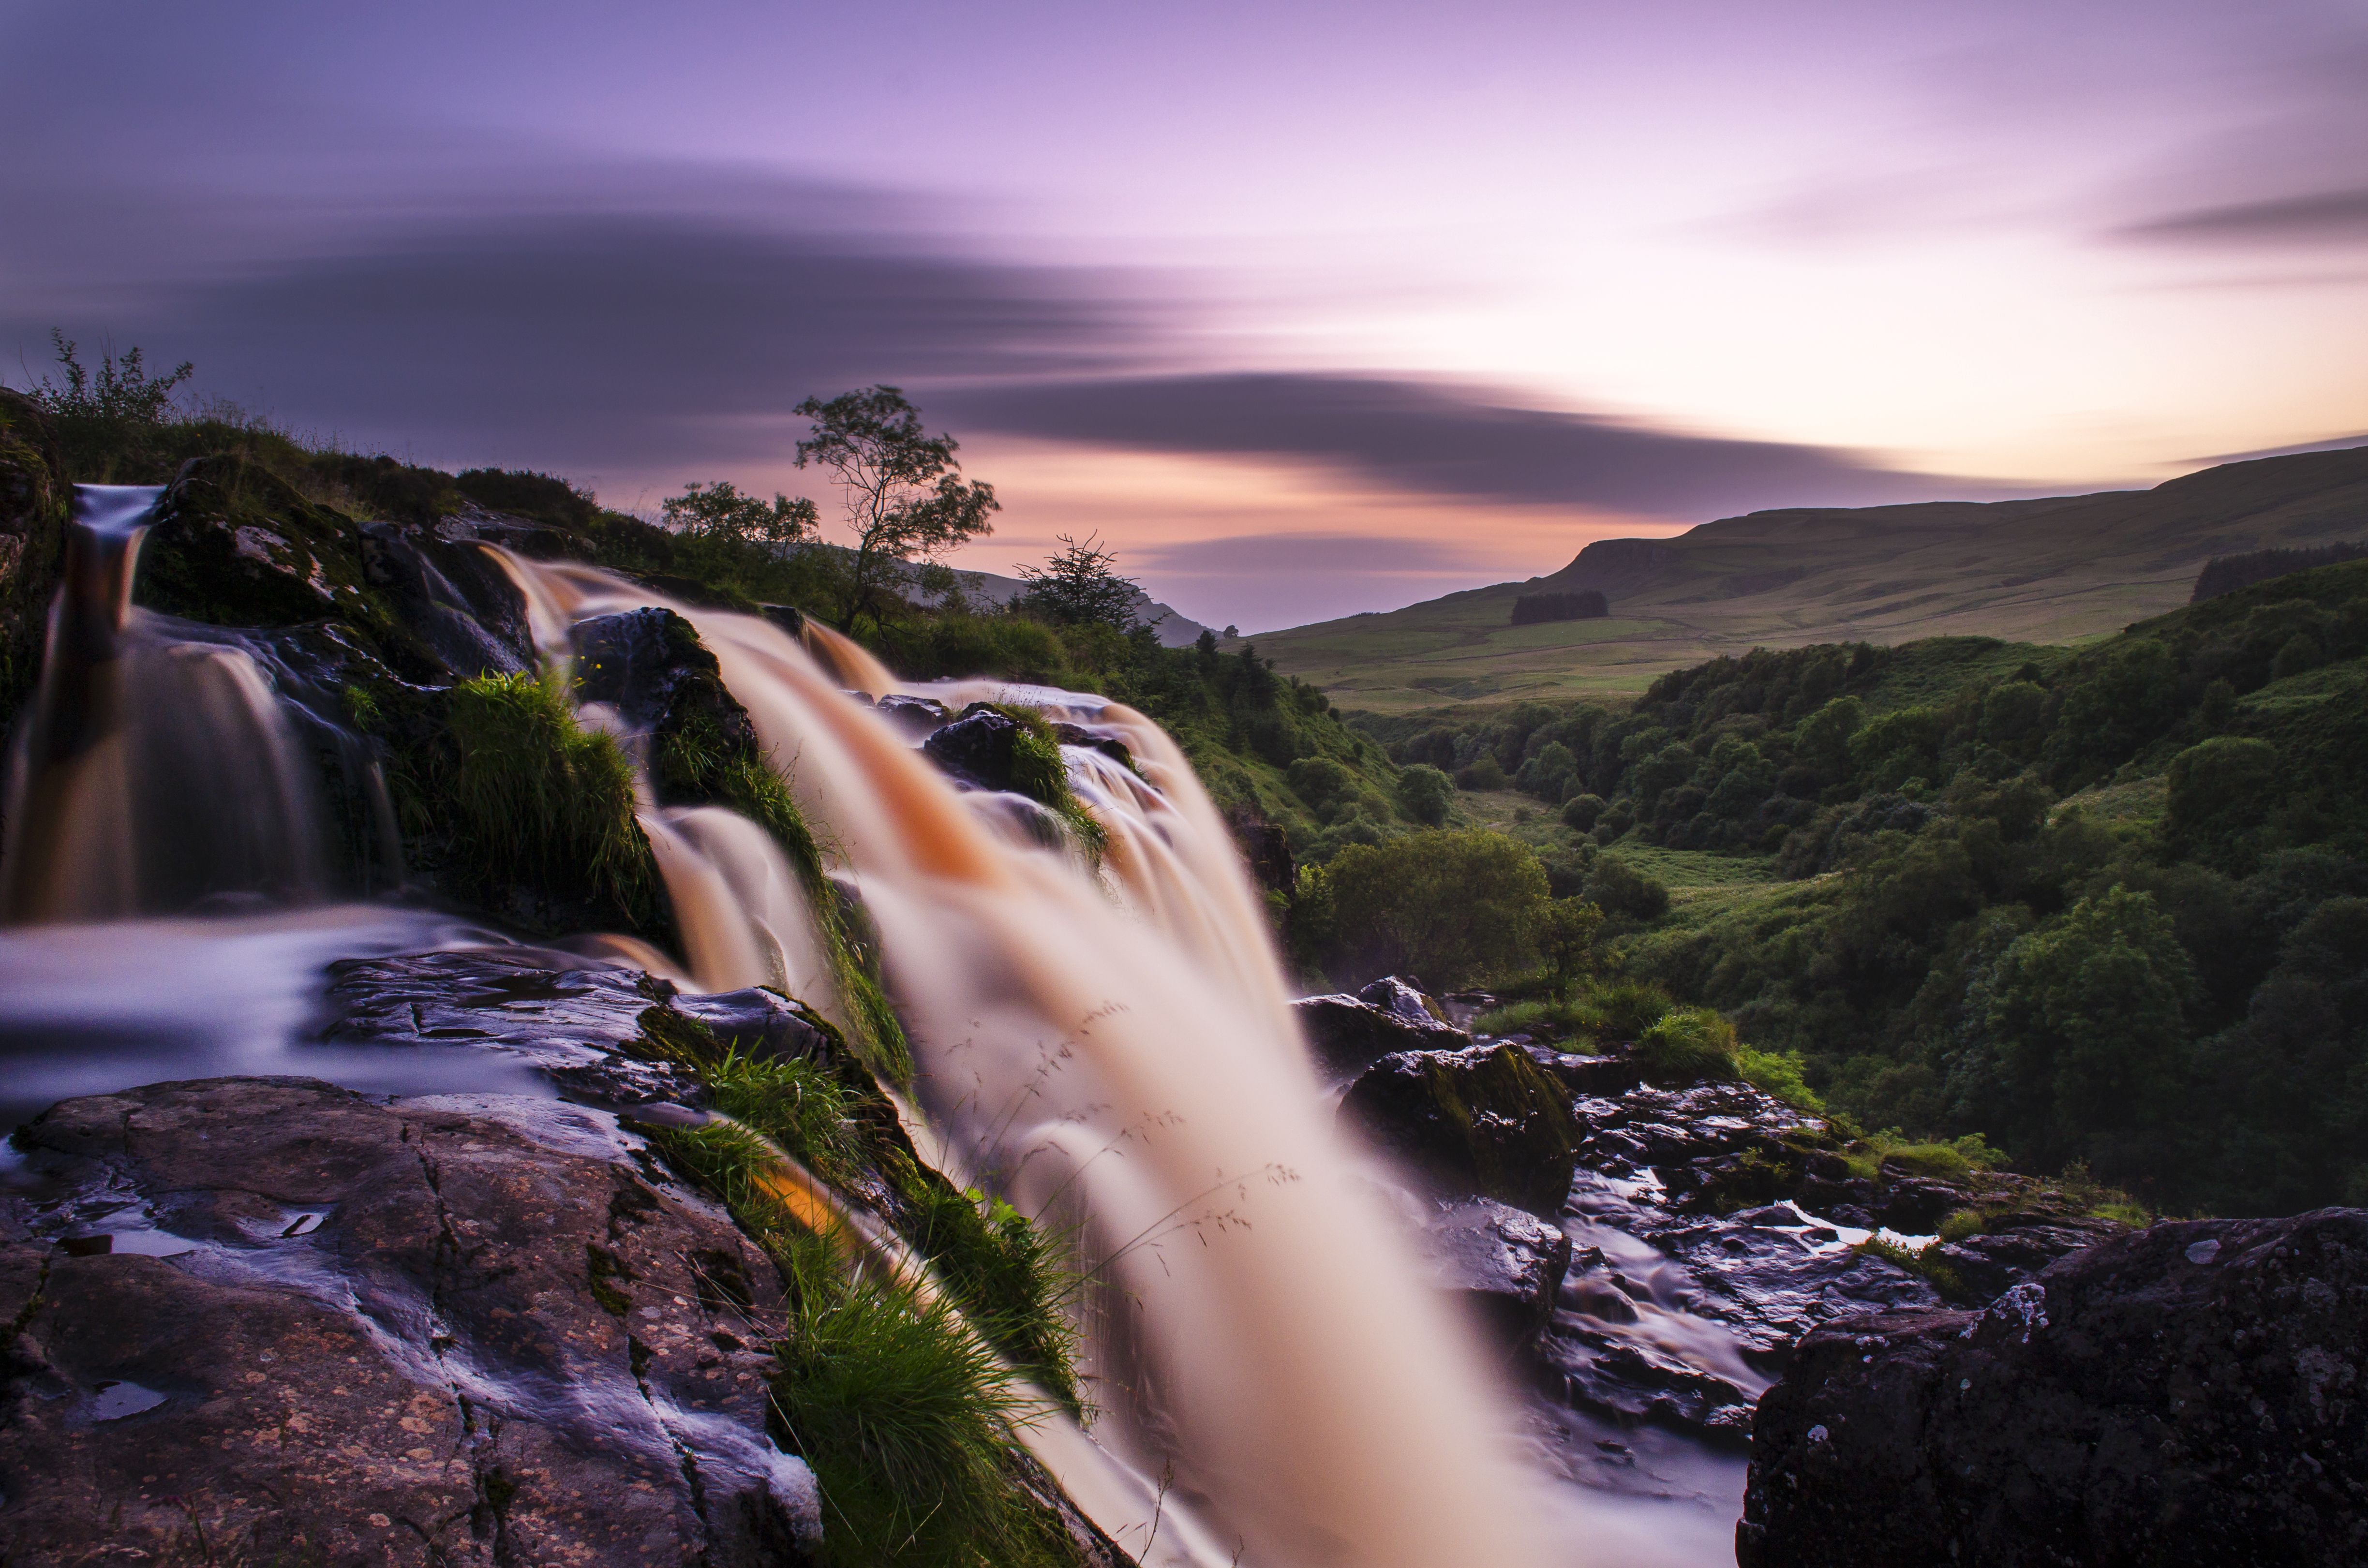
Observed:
{"x":918,"y":714}
{"x":268,"y":1319}
{"x":650,"y":664}
{"x":1916,"y":1205}
{"x":1485,"y":1119}
{"x":234,"y":544}
{"x":1348,"y":1034}
{"x":1110,"y":747}
{"x":34,"y":497}
{"x":1992,"y":1263}
{"x":1505,"y":1265}
{"x":982,"y":748}
{"x":1401,"y":999}
{"x":454,"y":596}
{"x":1588,"y":1076}
{"x":595,"y":1029}
{"x":2195,"y":1393}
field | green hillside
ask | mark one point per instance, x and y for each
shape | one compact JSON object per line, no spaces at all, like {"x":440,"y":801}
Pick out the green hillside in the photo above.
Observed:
{"x":2057,"y":571}
{"x":2106,"y":905}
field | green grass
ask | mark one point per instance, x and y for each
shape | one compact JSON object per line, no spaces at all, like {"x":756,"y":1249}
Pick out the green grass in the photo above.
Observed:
{"x":901,"y":1407}
{"x":1685,"y":1045}
{"x":2058,"y":571}
{"x":1778,"y":1074}
{"x":536,"y":799}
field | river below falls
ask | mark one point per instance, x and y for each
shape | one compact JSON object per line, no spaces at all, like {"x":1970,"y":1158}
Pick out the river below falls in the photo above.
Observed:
{"x":94,"y":1008}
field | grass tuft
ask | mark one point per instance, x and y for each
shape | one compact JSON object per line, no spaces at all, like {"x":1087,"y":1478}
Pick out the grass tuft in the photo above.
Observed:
{"x":539,"y":802}
{"x":1685,"y":1044}
{"x":1778,"y":1074}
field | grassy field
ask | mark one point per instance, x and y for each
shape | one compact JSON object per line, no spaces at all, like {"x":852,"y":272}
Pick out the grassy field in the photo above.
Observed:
{"x":2058,"y":572}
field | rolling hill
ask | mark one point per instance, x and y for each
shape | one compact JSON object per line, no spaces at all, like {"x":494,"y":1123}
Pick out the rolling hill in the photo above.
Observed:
{"x":2062,"y":569}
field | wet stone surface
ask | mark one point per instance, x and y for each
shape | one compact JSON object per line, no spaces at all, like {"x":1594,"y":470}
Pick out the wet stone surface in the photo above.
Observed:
{"x":2195,"y":1393}
{"x":258,"y":1320}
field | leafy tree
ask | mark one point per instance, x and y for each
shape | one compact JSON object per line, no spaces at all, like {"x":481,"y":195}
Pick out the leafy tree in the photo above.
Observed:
{"x":718,"y":511}
{"x":1077,"y":587}
{"x":2086,"y":1014}
{"x":1452,"y":907}
{"x":1425,"y":793}
{"x":905,"y":498}
{"x":1566,"y":939}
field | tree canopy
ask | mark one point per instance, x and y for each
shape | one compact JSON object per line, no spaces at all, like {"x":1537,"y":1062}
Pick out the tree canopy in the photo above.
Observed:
{"x":1079,"y":586}
{"x":720,"y":510}
{"x":905,"y":499}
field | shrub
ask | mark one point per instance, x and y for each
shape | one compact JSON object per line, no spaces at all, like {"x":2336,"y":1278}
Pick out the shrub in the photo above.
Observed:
{"x":1617,"y":888}
{"x":1485,"y":773}
{"x":1964,"y":1222}
{"x":1581,"y":813}
{"x":1625,"y":1008}
{"x":1452,"y":907}
{"x":1685,"y":1044}
{"x":1424,"y":794}
{"x":1778,"y":1074}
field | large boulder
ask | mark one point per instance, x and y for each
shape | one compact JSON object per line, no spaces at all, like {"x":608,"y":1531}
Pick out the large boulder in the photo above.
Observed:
{"x":2195,"y":1393}
{"x":651,"y":665}
{"x":268,"y":1319}
{"x":1484,"y":1120}
{"x":1348,"y":1034}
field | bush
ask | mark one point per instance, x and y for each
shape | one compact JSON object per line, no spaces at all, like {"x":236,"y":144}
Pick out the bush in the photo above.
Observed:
{"x":1581,"y":813}
{"x":1618,"y":889}
{"x":1685,"y":1044}
{"x":1625,"y":1009}
{"x":1452,"y":907}
{"x":1487,"y":773}
{"x":1424,"y":794}
{"x":1778,"y":1074}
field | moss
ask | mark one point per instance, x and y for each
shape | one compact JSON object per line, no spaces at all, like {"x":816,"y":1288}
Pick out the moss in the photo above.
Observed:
{"x":1926,"y":1261}
{"x":603,"y":1266}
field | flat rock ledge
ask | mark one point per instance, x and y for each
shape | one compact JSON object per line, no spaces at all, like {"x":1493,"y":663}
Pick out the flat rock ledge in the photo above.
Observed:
{"x":2195,"y":1394}
{"x":266,"y":1320}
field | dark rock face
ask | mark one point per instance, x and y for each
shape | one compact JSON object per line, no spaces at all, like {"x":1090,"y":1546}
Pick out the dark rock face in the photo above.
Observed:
{"x":981,"y":747}
{"x":1485,"y":1119}
{"x":650,"y":664}
{"x":2195,"y":1394}
{"x":234,"y":544}
{"x":34,"y":497}
{"x":1505,"y":1265}
{"x":266,"y":1320}
{"x":454,"y":596}
{"x":1348,"y":1034}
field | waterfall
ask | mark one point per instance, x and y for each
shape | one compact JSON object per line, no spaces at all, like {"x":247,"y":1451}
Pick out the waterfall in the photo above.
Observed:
{"x":1113,"y":1051}
{"x":157,"y":771}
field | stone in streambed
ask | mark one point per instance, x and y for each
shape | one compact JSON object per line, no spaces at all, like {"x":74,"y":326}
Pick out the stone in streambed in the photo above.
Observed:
{"x":1505,"y":1265}
{"x":2195,"y":1393}
{"x":1348,"y":1034}
{"x":1484,"y":1120}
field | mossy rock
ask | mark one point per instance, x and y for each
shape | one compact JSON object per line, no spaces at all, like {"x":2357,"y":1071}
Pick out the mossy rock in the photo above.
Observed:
{"x":234,"y":544}
{"x":34,"y":502}
{"x":1487,"y":1120}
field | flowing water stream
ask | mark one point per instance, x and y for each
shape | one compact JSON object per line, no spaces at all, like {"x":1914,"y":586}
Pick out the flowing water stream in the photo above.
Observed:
{"x":1111,"y":1047}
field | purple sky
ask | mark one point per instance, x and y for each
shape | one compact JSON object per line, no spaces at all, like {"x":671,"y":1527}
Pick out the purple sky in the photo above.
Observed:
{"x":1307,"y":310}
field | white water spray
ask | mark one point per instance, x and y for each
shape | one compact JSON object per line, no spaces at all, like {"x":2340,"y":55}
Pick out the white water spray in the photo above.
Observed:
{"x":1116,"y":1052}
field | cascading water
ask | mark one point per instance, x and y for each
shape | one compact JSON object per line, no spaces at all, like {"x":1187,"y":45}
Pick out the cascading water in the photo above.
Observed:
{"x":1116,"y":1053}
{"x":1106,"y":1040}
{"x":158,"y":769}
